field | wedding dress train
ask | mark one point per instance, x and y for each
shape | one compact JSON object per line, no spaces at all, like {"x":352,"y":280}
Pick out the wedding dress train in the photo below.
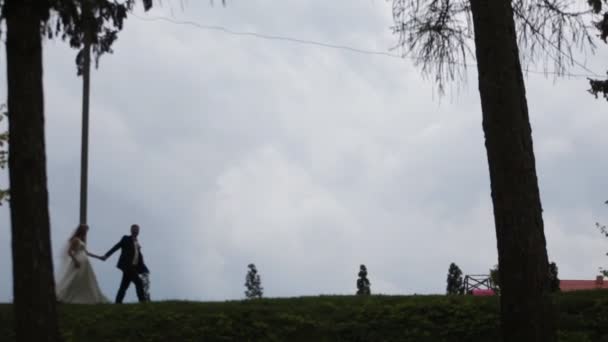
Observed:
{"x":78,"y":284}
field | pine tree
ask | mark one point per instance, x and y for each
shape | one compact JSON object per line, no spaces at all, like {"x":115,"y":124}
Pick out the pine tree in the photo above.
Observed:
{"x":495,"y":279}
{"x":455,"y":284}
{"x":34,"y":305}
{"x":553,"y":278}
{"x":363,"y":284}
{"x":500,"y":35}
{"x":25,"y":24}
{"x":253,"y":283}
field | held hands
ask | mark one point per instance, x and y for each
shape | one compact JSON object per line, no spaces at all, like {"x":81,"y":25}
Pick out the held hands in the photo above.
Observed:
{"x":100,"y":257}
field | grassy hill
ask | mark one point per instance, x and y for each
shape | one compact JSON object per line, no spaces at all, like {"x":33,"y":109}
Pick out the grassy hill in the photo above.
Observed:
{"x":583,"y":317}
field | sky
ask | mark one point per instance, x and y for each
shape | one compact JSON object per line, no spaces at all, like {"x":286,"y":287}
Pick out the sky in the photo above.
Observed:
{"x":305,"y":160}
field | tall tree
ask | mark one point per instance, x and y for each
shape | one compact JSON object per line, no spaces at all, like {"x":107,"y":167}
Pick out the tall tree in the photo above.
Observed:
{"x":26,"y":21}
{"x":33,"y":282}
{"x":526,"y":310}
{"x":439,"y":33}
{"x":455,"y":285}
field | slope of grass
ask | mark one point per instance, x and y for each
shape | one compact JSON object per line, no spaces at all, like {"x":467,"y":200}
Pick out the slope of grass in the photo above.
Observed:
{"x":582,"y":317}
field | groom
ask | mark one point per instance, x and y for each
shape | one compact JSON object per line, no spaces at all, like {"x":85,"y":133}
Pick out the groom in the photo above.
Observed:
{"x":131,"y":263}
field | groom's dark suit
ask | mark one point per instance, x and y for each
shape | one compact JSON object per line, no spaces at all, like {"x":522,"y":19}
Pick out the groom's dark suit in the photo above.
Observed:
{"x":130,"y":270}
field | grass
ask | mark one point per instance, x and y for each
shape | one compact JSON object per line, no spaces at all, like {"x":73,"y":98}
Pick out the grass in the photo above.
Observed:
{"x":583,"y":316}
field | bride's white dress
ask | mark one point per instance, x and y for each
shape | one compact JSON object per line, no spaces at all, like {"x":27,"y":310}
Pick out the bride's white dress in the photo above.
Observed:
{"x":79,"y":284}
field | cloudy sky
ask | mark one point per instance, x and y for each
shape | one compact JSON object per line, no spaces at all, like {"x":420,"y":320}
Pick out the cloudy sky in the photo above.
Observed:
{"x":304,"y":160}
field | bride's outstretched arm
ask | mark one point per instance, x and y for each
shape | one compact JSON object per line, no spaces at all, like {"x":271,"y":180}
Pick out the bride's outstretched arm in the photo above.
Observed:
{"x":94,"y":255}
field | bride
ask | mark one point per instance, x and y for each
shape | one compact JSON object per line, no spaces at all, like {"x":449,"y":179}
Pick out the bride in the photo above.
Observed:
{"x":78,"y":283}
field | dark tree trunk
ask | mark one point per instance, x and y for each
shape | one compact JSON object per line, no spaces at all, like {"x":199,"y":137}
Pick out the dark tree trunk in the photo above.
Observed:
{"x":526,"y":307}
{"x":33,"y":282}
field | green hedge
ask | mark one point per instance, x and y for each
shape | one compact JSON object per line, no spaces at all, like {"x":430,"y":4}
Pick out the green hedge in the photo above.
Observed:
{"x":583,"y":317}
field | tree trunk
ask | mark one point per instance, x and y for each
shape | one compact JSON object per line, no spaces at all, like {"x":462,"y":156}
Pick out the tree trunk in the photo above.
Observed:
{"x":33,"y":282}
{"x":526,"y":308}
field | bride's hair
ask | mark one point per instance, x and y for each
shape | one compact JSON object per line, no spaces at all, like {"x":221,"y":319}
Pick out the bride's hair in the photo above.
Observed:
{"x":80,"y":232}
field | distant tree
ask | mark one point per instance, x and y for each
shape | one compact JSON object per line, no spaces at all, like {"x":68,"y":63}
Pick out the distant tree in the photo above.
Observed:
{"x":495,"y":279}
{"x":455,"y":284}
{"x":253,"y":283}
{"x":553,"y":277}
{"x":363,"y":284}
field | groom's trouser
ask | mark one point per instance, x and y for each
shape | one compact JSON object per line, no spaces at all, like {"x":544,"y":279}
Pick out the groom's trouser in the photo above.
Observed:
{"x":130,"y":276}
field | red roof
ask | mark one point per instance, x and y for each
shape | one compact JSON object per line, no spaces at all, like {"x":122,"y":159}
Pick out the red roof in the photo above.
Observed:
{"x":576,"y":285}
{"x":480,"y":292}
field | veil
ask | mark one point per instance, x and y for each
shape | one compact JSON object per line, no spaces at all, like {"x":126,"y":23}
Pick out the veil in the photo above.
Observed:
{"x":64,"y":257}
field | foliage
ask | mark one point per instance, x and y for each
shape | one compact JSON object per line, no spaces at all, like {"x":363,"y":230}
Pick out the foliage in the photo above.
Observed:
{"x":583,"y":316}
{"x":105,"y":19}
{"x":363,"y":284}
{"x":438,"y":34}
{"x":70,"y":19}
{"x":604,"y":231}
{"x":553,"y":277}
{"x":455,"y":285}
{"x":4,"y":193}
{"x":253,"y":283}
{"x":600,"y":87}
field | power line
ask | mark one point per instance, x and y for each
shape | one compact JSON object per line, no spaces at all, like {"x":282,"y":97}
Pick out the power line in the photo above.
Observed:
{"x":340,"y":47}
{"x":270,"y":37}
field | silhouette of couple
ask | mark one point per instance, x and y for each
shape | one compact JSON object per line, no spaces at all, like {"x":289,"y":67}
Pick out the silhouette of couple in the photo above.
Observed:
{"x":78,"y":283}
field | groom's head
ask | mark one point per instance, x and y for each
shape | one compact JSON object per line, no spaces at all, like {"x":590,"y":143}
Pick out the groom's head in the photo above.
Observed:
{"x":134,"y":230}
